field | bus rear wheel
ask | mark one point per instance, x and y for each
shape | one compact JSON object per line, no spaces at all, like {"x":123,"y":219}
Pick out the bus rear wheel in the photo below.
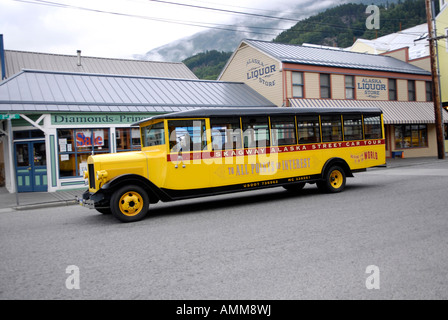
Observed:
{"x":129,"y":203}
{"x":334,"y":180}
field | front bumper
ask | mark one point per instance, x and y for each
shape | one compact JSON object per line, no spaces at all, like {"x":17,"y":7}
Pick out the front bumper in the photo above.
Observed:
{"x":86,"y":200}
{"x":93,"y":200}
{"x":86,"y":203}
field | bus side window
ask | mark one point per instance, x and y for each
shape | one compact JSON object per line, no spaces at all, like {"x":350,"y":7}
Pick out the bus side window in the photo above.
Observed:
{"x":226,"y":133}
{"x":255,"y":132}
{"x":187,"y":135}
{"x":331,"y":128}
{"x":372,"y":127}
{"x":308,"y":129}
{"x":352,"y":127}
{"x":283,"y":131}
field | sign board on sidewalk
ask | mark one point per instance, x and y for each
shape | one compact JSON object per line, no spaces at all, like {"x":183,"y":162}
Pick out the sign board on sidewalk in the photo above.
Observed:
{"x":9,"y":116}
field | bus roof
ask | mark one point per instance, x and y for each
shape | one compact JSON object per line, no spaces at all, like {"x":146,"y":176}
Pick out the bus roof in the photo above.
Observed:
{"x":240,"y":112}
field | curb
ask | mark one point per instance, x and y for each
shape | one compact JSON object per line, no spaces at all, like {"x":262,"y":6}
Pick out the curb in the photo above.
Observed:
{"x":53,"y":204}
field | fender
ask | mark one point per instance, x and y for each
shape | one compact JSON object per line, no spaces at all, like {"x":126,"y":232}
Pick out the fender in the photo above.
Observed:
{"x":340,"y":162}
{"x":152,"y":189}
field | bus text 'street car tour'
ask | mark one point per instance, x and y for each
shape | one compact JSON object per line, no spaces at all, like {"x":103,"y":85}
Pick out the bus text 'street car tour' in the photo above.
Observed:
{"x":214,"y":151}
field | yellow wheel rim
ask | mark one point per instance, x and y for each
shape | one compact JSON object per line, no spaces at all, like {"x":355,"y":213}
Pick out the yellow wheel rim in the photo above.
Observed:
{"x":336,"y":179}
{"x":131,"y":203}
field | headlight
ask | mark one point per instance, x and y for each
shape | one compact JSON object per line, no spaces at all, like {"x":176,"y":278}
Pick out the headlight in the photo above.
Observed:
{"x":86,"y":175}
{"x":101,"y":175}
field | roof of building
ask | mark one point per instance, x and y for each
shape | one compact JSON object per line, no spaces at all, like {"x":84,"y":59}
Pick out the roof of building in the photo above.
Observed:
{"x":16,"y":61}
{"x":394,"y":112}
{"x":45,"y":91}
{"x":296,"y":54}
{"x":414,"y":38}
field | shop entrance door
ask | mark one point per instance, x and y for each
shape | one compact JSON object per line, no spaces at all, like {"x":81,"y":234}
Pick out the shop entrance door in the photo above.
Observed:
{"x":31,"y":166}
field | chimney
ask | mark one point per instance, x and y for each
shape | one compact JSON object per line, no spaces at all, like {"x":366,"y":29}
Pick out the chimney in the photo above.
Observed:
{"x":79,"y":58}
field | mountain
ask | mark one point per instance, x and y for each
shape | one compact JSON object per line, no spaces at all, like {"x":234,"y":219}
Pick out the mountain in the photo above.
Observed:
{"x":249,"y":28}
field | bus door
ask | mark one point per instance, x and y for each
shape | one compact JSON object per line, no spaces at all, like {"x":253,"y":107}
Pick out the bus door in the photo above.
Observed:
{"x":186,"y":168}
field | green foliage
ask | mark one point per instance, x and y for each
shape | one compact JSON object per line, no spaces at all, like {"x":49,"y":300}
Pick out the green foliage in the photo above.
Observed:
{"x":207,"y":65}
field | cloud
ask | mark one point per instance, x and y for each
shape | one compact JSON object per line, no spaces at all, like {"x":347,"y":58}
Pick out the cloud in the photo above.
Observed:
{"x":31,"y":27}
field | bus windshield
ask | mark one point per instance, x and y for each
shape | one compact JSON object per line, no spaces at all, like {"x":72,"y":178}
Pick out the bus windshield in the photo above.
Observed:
{"x":153,"y":134}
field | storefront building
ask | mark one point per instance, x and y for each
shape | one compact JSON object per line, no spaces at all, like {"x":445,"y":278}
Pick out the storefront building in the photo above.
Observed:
{"x":52,"y":121}
{"x":305,"y":76}
{"x":13,"y":62}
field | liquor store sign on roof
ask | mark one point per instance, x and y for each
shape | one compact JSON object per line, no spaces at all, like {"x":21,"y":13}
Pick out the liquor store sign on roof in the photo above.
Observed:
{"x":9,"y":116}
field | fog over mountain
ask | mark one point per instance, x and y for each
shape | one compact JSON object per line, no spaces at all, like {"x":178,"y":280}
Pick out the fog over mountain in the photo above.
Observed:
{"x":260,"y":29}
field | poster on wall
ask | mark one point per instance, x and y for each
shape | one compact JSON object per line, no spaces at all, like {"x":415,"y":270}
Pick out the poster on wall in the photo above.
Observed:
{"x":84,"y":138}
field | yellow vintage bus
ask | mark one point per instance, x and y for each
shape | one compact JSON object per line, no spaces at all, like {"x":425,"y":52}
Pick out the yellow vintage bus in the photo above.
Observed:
{"x":206,"y":152}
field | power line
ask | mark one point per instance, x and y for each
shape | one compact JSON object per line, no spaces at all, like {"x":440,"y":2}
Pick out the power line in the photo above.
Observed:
{"x":226,"y":11}
{"x":224,"y":27}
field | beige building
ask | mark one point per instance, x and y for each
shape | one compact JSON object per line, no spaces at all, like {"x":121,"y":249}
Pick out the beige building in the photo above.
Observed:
{"x":306,"y":76}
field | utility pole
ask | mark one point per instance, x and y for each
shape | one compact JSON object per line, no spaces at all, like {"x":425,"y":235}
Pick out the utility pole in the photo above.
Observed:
{"x":435,"y":83}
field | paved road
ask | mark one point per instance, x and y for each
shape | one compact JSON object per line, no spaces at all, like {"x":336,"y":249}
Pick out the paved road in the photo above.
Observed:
{"x":257,"y":245}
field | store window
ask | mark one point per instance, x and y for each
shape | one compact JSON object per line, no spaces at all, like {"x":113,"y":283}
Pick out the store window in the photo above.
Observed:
{"x":349,"y":87}
{"x":297,"y":84}
{"x":411,"y":136}
{"x":76,"y":145}
{"x":127,"y":139}
{"x":28,"y":134}
{"x":325,"y":86}
{"x":428,"y":85}
{"x":411,"y":90}
{"x":392,"y":89}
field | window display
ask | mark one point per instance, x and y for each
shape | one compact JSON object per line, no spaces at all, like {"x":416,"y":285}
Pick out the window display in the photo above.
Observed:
{"x":75,"y":146}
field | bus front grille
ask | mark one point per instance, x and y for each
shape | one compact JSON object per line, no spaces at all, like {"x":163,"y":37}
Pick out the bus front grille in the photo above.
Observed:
{"x":91,"y":175}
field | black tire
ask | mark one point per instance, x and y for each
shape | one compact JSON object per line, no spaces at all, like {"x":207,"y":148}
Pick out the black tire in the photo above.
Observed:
{"x":334,"y":180}
{"x":104,"y":210}
{"x":129,"y":203}
{"x":295,"y":187}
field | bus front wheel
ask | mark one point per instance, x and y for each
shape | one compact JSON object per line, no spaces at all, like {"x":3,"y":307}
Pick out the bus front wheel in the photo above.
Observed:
{"x":129,"y":203}
{"x":334,"y":180}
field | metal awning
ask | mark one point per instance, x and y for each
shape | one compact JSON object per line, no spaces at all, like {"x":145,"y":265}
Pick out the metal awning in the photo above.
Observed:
{"x":394,"y":112}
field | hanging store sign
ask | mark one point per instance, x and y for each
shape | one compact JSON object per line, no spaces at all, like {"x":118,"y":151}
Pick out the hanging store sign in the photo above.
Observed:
{"x":9,"y":116}
{"x":86,"y":119}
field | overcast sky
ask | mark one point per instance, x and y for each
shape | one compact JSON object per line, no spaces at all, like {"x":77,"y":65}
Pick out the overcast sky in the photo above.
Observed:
{"x":121,"y":28}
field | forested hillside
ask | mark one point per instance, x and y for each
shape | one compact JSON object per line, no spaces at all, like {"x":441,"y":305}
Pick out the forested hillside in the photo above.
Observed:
{"x":336,"y":27}
{"x":342,"y":25}
{"x":207,"y":65}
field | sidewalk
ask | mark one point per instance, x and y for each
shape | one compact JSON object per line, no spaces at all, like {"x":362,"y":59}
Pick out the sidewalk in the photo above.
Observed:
{"x":35,"y":200}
